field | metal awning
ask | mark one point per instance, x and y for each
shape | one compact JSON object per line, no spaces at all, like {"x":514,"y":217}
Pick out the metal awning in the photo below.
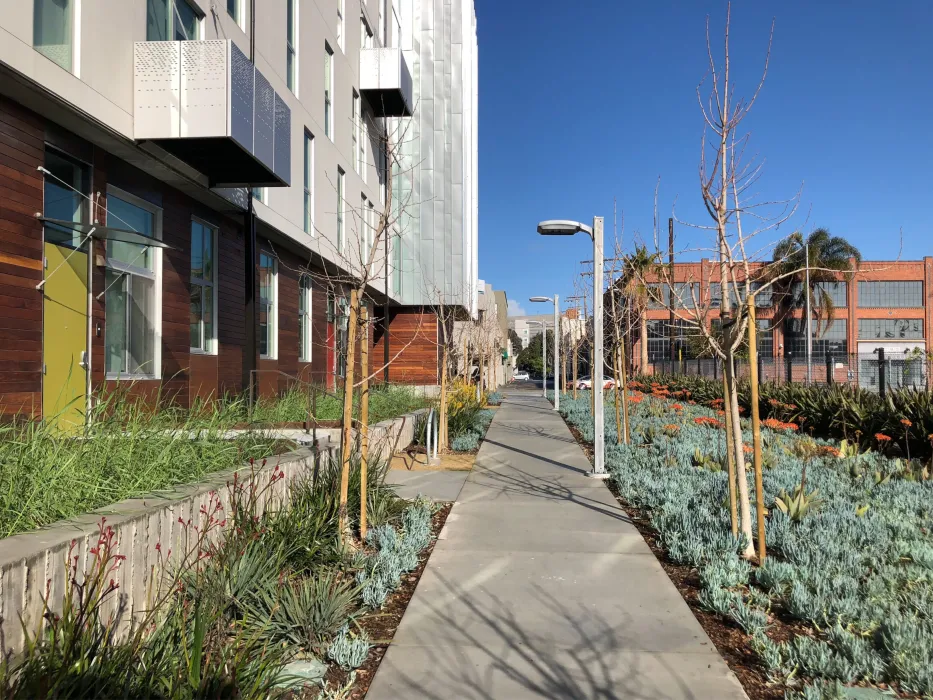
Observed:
{"x":106,"y":233}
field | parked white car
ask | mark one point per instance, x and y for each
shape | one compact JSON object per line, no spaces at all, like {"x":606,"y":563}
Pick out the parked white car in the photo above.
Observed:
{"x":587,"y":382}
{"x":520,"y":376}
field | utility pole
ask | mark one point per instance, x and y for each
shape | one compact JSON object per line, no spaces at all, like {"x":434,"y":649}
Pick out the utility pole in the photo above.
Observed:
{"x":670,"y":260}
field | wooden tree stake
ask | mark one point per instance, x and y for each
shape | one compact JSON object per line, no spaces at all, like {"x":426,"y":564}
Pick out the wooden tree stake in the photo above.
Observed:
{"x":364,"y":417}
{"x":756,"y":425}
{"x":347,"y":446}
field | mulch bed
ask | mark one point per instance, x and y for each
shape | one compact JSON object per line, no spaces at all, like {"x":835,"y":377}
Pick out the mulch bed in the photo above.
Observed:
{"x":381,"y":625}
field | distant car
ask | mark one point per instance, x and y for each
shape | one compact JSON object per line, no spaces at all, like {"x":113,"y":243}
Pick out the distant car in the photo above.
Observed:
{"x":587,"y":382}
{"x":520,"y":376}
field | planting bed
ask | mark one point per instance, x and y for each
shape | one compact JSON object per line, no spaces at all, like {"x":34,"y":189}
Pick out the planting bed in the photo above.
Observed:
{"x":381,"y":625}
{"x":846,"y":594}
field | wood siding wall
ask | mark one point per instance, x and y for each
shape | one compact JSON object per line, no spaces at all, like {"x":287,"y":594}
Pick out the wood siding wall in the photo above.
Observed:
{"x":21,"y":152}
{"x":415,"y":334}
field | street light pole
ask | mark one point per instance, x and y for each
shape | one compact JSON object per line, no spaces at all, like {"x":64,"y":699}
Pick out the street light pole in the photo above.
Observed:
{"x":569,"y":228}
{"x":556,"y":357}
{"x":599,"y":466}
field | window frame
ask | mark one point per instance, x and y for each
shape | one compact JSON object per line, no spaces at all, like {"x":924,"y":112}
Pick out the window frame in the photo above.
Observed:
{"x":305,"y":295}
{"x":291,"y":45}
{"x":328,"y":91}
{"x":85,"y":193}
{"x":863,"y":329}
{"x":237,"y":14}
{"x":272,"y":325}
{"x":155,"y":274}
{"x":209,"y":345}
{"x":172,"y":16}
{"x":308,"y":183}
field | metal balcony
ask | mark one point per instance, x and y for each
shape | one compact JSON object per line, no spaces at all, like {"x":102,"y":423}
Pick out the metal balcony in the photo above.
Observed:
{"x":385,"y":82}
{"x":206,"y":104}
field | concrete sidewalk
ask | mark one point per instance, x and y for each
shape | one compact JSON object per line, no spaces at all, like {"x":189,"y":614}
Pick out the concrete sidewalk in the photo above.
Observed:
{"x":540,"y":587}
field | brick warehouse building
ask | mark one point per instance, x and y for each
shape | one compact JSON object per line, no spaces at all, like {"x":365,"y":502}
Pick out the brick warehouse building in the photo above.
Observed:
{"x":885,"y":304}
{"x":180,"y":138}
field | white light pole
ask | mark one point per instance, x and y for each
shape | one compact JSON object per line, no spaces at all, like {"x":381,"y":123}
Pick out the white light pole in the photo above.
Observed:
{"x":556,"y":356}
{"x":569,"y":228}
{"x":543,"y":356}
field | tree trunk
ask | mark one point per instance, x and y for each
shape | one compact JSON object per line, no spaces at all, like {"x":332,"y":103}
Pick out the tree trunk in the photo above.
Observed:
{"x":744,"y":503}
{"x":347,"y":446}
{"x":730,"y":454}
{"x":756,"y":427}
{"x":364,"y":417}
{"x":625,"y":423}
{"x":443,"y":442}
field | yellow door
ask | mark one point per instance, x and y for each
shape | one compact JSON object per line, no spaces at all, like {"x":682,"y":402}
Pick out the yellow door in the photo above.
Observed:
{"x":64,"y":337}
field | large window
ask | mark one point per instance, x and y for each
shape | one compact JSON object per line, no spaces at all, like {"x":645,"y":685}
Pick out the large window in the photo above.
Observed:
{"x":268,"y":310}
{"x":304,"y":319}
{"x":131,"y":290}
{"x":397,"y":265}
{"x":341,"y":210}
{"x":890,"y":328}
{"x":659,"y":295}
{"x":328,"y":92}
{"x":837,"y":291}
{"x":340,"y":23}
{"x":233,"y":9}
{"x":684,"y":293}
{"x":826,"y":341}
{"x":309,"y":184}
{"x":65,"y":190}
{"x":203,"y":287}
{"x":363,"y":232}
{"x":762,"y":299}
{"x":172,"y":20}
{"x":52,"y":31}
{"x":355,"y":129}
{"x":291,"y":45}
{"x":890,"y":295}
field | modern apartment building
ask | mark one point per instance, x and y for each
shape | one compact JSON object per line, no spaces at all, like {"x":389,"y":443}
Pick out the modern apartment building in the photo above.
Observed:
{"x":188,"y":187}
{"x":885,"y":304}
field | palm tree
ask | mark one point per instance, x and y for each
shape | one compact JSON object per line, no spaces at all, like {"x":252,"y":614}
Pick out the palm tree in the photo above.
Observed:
{"x":829,"y":256}
{"x":639,"y":266}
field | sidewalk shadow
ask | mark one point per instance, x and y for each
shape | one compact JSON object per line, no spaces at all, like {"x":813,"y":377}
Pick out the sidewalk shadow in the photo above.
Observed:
{"x":538,"y":457}
{"x":586,"y":667}
{"x":520,"y":482}
{"x":532,"y":431}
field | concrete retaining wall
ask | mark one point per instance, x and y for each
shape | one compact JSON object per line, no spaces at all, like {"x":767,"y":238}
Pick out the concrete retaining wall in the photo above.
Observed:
{"x":33,"y":562}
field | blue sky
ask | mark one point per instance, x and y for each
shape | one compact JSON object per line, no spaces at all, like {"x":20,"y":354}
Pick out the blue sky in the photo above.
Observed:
{"x":584,"y":101}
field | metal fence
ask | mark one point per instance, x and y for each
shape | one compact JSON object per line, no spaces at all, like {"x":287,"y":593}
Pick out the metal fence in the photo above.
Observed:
{"x":875,"y":371}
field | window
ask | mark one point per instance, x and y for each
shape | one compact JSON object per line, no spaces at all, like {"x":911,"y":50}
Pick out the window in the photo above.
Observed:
{"x":370,"y":230}
{"x":363,"y":230}
{"x":397,"y":265}
{"x":366,"y":36}
{"x":683,"y":294}
{"x":659,"y":339}
{"x":291,"y":45}
{"x":894,"y":295}
{"x":309,"y":184}
{"x":233,"y":9}
{"x":53,"y":21}
{"x":340,"y":27}
{"x":355,"y":128}
{"x":830,"y":340}
{"x":328,"y":92}
{"x":659,"y":295}
{"x":268,"y":312}
{"x":304,"y":319}
{"x":341,"y":208}
{"x":65,"y":197}
{"x":172,"y":20}
{"x":131,"y":290}
{"x":260,"y":194}
{"x":203,"y":275}
{"x":382,"y":22}
{"x":762,"y":299}
{"x":890,"y":328}
{"x":837,"y":291}
{"x":364,"y":137}
{"x":339,"y":311}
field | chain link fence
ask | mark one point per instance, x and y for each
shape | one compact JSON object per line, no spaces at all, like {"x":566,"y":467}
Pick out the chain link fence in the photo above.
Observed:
{"x":876,"y":371}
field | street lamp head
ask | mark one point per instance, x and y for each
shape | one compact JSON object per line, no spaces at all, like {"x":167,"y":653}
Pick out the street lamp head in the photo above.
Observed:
{"x":540,"y":299}
{"x":563,"y":227}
